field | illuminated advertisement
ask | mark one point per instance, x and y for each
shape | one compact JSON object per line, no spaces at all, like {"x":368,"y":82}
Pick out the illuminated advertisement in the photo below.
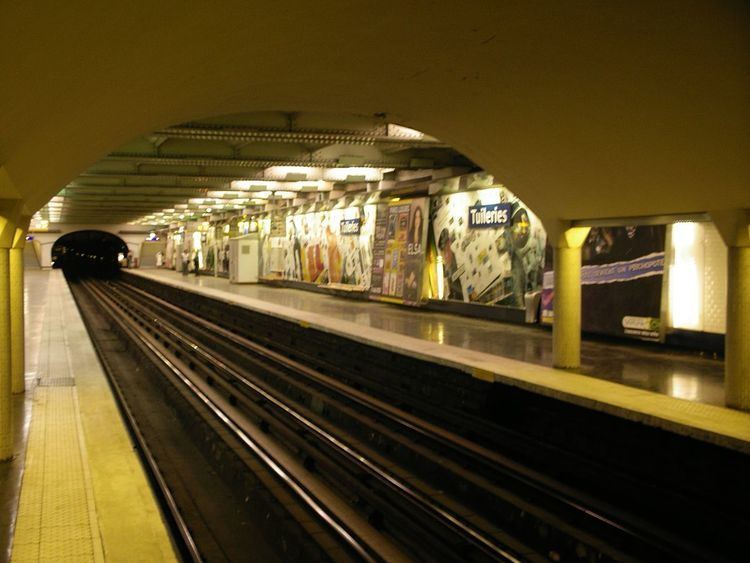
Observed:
{"x":621,"y":282}
{"x":490,"y":247}
{"x":399,"y":250}
{"x":321,"y":247}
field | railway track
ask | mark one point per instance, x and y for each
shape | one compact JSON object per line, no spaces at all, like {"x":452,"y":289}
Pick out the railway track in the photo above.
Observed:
{"x":416,"y":520}
{"x":384,"y":483}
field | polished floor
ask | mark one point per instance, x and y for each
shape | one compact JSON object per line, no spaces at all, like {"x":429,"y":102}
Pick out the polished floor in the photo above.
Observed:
{"x":683,"y":375}
{"x":83,"y":493}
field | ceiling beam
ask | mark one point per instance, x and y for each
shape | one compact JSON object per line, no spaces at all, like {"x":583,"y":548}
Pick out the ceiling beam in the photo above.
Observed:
{"x":195,"y":177}
{"x":209,"y":161}
{"x":68,"y":194}
{"x":143,"y":198}
{"x":373,"y":137}
{"x":149,"y":186}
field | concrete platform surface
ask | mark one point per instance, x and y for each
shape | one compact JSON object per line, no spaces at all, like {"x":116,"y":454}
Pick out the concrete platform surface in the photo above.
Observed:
{"x":680,"y":392}
{"x":84,"y":495}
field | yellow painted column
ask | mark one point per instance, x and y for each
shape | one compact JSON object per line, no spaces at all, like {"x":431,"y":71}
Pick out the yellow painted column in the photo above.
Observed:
{"x":734,"y":227}
{"x":17,"y":328}
{"x":737,"y":343}
{"x":17,"y":340}
{"x":11,"y":211}
{"x":566,"y":328}
{"x":6,"y":420}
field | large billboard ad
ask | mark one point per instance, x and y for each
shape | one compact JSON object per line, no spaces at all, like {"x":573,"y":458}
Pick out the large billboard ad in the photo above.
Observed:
{"x":399,"y":250}
{"x":490,"y":247}
{"x":622,"y":271}
{"x":322,"y":247}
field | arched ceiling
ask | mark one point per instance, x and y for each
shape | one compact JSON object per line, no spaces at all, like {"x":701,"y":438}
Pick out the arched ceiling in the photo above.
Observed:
{"x":585,"y":110}
{"x":188,"y":171}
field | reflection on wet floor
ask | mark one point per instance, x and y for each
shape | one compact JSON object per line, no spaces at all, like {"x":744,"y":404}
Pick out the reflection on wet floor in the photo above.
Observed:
{"x":681,"y":374}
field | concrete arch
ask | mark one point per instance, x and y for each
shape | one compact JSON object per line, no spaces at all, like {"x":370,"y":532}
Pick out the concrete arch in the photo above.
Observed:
{"x":584,"y":111}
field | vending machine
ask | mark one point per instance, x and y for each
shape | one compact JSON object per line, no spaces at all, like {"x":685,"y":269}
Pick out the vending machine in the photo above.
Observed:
{"x":244,"y":258}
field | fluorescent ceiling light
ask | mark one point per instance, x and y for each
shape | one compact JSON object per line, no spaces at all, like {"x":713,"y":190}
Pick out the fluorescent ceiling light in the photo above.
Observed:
{"x":292,"y":173}
{"x":353,"y":173}
{"x":250,"y":185}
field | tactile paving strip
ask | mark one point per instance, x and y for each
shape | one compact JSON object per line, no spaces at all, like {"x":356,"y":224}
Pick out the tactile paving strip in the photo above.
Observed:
{"x":56,"y":516}
{"x":56,"y":521}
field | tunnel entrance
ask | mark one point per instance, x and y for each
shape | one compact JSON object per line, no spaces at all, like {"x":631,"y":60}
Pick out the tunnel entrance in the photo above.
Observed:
{"x":89,"y":253}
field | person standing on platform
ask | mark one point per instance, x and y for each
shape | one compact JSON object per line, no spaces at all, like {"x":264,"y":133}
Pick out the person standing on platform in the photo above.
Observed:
{"x":185,"y":257}
{"x":196,"y":263}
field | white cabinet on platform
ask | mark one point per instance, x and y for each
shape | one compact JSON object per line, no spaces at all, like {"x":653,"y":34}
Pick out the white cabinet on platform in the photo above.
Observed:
{"x":244,"y":259}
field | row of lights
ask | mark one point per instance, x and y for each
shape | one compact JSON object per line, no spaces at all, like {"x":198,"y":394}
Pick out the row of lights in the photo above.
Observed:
{"x":279,"y":183}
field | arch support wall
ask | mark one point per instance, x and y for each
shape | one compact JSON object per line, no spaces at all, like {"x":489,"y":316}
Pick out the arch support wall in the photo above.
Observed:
{"x":17,"y":324}
{"x":566,"y":328}
{"x":734,"y":227}
{"x":9,"y":219}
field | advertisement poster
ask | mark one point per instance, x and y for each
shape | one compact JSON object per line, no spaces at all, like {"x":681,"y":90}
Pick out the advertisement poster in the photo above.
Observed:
{"x":266,"y":253}
{"x":399,"y":251}
{"x":621,"y":282}
{"x":330,"y":247}
{"x":278,"y":225}
{"x":490,"y":247}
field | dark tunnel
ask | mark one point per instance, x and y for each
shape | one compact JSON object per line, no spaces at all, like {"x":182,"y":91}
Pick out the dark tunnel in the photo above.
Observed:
{"x":89,"y":253}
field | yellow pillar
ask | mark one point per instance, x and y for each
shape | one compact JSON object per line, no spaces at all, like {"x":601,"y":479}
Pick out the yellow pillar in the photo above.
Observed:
{"x":734,"y":227}
{"x":17,"y":339}
{"x":6,"y":421}
{"x":737,"y":342}
{"x":566,"y":328}
{"x":10,"y":212}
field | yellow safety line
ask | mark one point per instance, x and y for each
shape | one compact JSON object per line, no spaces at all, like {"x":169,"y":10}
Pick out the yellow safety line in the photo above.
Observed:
{"x":56,"y":518}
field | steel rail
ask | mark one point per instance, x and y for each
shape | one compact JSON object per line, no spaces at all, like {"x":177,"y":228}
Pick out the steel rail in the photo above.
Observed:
{"x":433,"y":510}
{"x":571,"y":498}
{"x":350,"y":539}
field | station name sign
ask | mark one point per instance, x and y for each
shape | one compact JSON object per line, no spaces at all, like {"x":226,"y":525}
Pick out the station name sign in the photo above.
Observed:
{"x":489,"y":216}
{"x":350,"y":227}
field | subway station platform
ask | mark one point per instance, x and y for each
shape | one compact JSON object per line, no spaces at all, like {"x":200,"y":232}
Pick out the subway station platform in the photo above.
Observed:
{"x":681,"y":392}
{"x":75,"y":489}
